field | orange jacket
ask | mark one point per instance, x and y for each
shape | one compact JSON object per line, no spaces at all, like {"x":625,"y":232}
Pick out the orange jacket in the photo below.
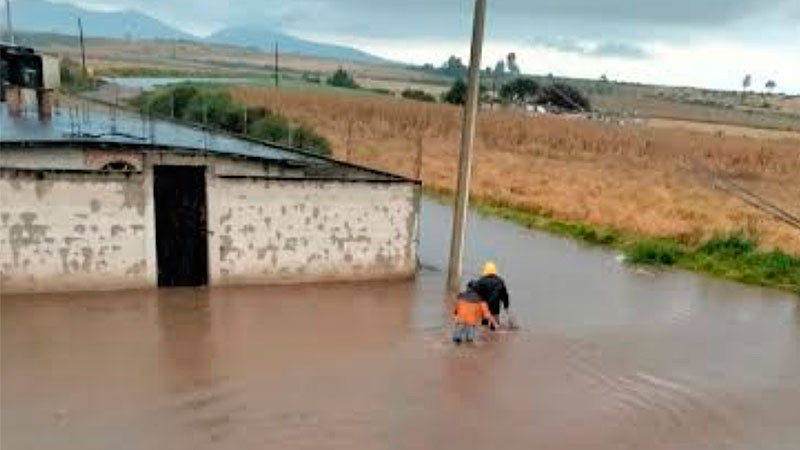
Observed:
{"x":470,"y":309}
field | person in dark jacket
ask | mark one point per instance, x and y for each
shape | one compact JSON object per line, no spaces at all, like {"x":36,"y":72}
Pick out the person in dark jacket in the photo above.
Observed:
{"x":492,"y":290}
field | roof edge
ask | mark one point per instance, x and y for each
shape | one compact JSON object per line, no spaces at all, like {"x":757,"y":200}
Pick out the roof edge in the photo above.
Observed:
{"x":112,"y":145}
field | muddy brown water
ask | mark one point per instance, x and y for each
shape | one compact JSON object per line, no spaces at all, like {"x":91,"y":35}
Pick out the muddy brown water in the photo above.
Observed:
{"x":607,"y":358}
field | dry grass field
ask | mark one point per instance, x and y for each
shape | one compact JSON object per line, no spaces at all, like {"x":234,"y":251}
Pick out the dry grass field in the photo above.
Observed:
{"x":782,"y":114}
{"x":654,"y":181}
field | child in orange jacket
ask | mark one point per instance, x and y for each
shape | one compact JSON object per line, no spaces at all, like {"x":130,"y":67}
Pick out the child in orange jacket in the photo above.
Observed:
{"x":469,"y":311}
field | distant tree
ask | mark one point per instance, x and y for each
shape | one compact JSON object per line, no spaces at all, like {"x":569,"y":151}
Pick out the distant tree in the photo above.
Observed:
{"x":341,"y":78}
{"x":500,"y":69}
{"x":604,"y":86}
{"x":457,"y":94}
{"x":511,"y":64}
{"x":771,"y":85}
{"x":454,"y":67}
{"x":419,"y":95}
{"x":311,"y":78}
{"x":564,"y":96}
{"x":520,"y":91}
{"x":747,"y":82}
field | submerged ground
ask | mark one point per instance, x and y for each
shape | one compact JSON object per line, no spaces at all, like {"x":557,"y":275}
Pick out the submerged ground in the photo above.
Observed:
{"x":608,"y":357}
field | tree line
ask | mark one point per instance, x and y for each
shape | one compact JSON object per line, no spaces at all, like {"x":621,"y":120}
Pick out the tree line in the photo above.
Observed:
{"x":505,"y":83}
{"x":214,"y":108}
{"x":523,"y":91}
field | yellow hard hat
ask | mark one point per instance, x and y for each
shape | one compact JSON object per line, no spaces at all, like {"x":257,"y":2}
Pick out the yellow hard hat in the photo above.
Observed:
{"x":489,"y":268}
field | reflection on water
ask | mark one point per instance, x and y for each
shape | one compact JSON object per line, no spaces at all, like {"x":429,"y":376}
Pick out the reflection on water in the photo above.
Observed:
{"x":607,"y":358}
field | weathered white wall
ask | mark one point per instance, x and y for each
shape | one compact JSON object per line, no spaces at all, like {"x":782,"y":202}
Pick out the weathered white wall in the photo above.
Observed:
{"x":75,"y":232}
{"x":80,"y":230}
{"x":269,"y":231}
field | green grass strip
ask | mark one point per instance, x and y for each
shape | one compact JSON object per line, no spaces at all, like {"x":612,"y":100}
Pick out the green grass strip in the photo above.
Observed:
{"x":733,"y":256}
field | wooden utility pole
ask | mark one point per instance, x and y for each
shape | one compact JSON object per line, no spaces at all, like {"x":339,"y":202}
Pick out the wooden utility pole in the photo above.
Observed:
{"x":83,"y":49}
{"x":277,"y":67}
{"x":467,"y":140}
{"x":8,"y":23}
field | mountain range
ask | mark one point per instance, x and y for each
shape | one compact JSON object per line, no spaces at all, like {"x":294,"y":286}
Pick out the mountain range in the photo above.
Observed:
{"x":62,"y":18}
{"x":265,"y":39}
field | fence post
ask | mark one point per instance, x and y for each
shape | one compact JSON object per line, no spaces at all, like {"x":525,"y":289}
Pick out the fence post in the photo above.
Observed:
{"x":141,"y":112}
{"x":420,"y":148}
{"x":349,"y":148}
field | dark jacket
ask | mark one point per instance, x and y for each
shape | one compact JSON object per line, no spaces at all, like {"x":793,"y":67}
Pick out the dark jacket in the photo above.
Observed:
{"x":492,"y":289}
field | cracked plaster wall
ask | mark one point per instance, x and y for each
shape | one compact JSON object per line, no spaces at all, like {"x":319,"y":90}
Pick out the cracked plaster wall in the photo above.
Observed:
{"x":269,"y":231}
{"x":74,"y":232}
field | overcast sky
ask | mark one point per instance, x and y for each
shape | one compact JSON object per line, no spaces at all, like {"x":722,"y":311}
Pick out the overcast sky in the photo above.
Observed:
{"x":709,"y":43}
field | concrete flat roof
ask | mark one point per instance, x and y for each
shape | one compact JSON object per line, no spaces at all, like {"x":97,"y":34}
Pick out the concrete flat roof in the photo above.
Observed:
{"x":92,"y":123}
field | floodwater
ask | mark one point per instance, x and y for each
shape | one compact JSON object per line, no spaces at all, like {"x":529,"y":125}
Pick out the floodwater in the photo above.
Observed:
{"x":147,"y":83}
{"x":607,"y":358}
{"x":84,"y":121}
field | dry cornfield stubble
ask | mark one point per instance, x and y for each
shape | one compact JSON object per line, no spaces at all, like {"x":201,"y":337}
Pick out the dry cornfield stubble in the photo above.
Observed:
{"x":648,"y":180}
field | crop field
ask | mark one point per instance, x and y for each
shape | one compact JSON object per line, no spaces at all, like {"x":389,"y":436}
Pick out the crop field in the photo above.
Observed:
{"x":653,"y":181}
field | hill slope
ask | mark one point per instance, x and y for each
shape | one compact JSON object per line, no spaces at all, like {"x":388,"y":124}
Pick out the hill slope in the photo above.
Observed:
{"x":48,"y":17}
{"x":265,"y":39}
{"x":60,"y":18}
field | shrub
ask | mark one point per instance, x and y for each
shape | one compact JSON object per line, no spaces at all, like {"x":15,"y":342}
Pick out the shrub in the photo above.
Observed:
{"x":307,"y":139}
{"x":270,"y":127}
{"x":216,"y":109}
{"x":162,"y":101}
{"x":341,"y":78}
{"x":72,"y":77}
{"x":564,"y":96}
{"x":457,"y":95}
{"x":520,"y":91}
{"x":419,"y":95}
{"x":311,"y":78}
{"x":776,"y":265}
{"x":381,"y":91}
{"x":733,"y":246}
{"x":182,"y":95}
{"x":654,"y":252}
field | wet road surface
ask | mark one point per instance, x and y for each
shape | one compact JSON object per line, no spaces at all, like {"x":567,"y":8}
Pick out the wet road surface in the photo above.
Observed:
{"x":607,"y":358}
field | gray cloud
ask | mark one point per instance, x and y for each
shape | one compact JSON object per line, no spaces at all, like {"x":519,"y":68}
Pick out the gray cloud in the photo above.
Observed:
{"x":620,"y":50}
{"x":609,"y":49}
{"x":611,"y":21}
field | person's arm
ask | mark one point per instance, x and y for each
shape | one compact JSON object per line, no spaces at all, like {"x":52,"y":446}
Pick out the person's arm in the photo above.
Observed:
{"x":504,"y":295}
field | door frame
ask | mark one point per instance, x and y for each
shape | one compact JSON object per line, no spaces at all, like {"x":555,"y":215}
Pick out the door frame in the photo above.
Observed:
{"x":204,"y":277}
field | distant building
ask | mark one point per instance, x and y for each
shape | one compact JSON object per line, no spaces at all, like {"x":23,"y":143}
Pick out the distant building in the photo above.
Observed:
{"x":90,"y":201}
{"x":22,"y":69}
